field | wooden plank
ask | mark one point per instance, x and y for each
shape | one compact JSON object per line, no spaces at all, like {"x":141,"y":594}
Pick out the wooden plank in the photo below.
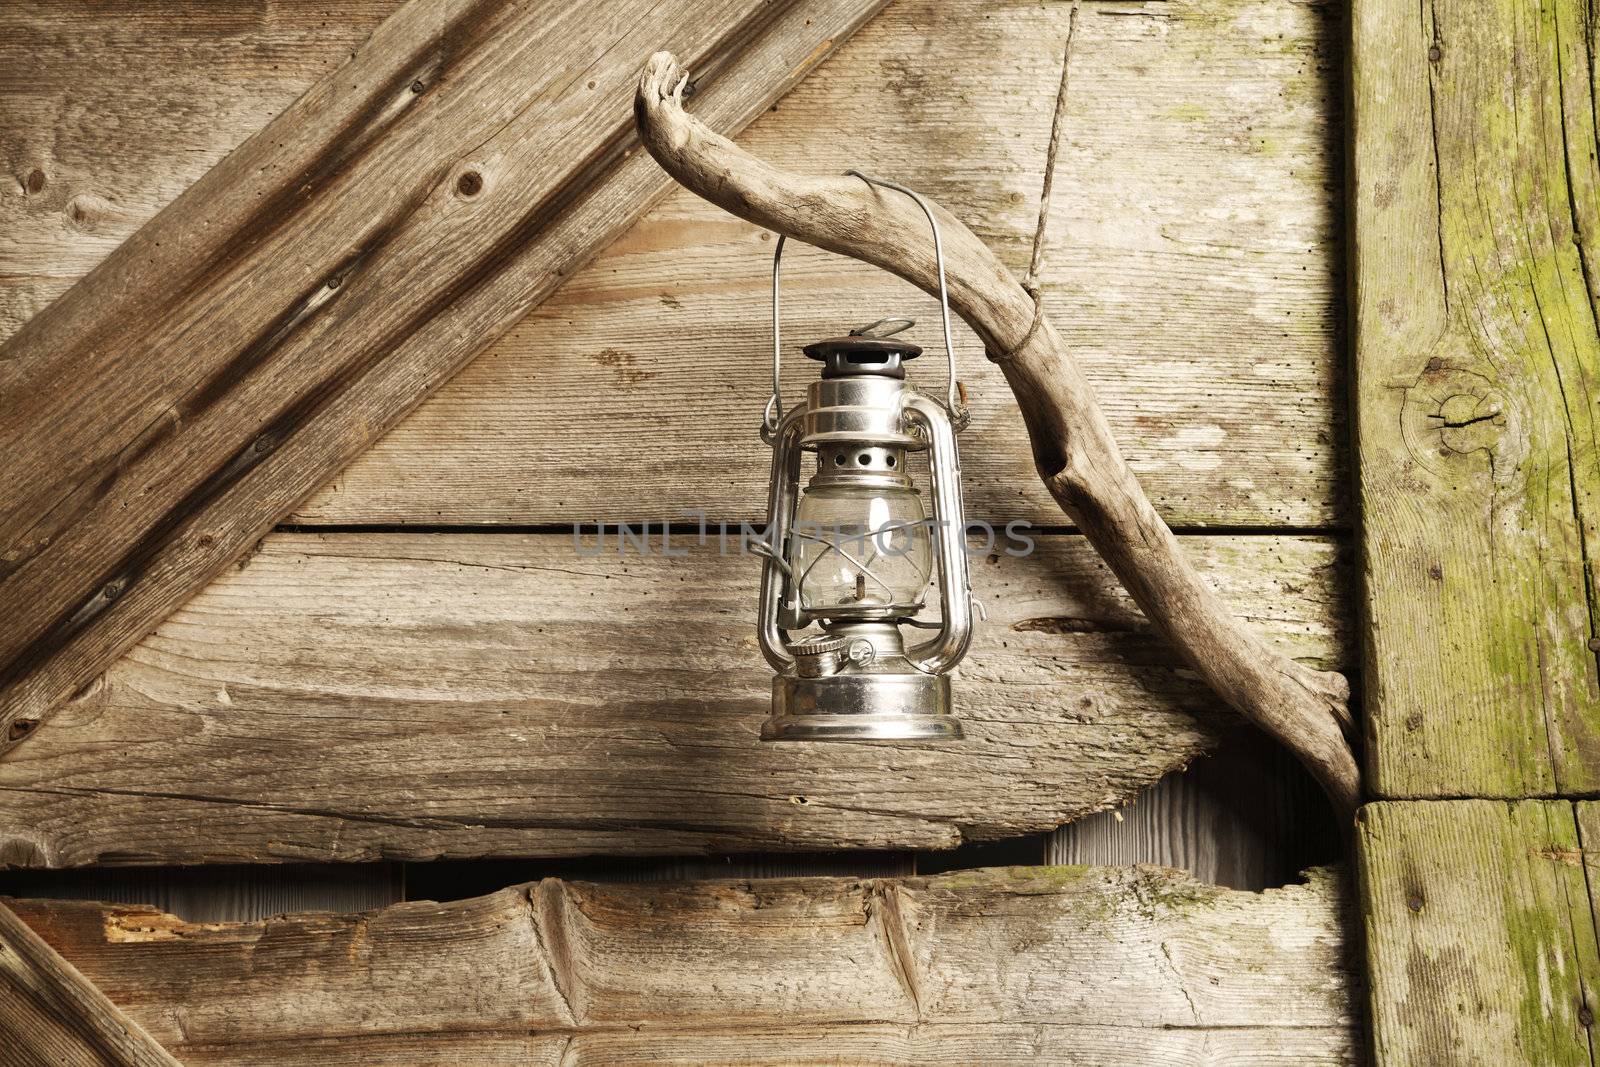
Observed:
{"x":302,"y":296}
{"x":1197,"y":179}
{"x":1480,"y":940}
{"x":955,"y":969}
{"x":1477,"y":226}
{"x":51,"y":1014}
{"x":357,"y":697}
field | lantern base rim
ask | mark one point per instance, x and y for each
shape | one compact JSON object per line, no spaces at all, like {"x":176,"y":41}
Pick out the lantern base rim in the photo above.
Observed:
{"x":862,"y":706}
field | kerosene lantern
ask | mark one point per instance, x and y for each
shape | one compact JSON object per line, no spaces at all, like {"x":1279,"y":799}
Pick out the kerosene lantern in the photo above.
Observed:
{"x":850,"y":556}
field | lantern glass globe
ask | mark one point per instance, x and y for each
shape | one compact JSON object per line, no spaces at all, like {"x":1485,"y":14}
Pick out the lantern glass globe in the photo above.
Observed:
{"x":861,"y":552}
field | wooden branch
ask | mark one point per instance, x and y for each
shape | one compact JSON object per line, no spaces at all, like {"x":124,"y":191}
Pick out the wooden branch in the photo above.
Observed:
{"x":1010,"y":966}
{"x":233,"y":354}
{"x":51,"y":1014}
{"x":1073,"y":449}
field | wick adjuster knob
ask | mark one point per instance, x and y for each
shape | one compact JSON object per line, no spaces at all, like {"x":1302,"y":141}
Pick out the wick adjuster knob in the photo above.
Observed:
{"x":818,"y":657}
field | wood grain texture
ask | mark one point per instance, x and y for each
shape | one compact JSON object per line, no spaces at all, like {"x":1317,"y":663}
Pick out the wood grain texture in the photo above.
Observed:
{"x":1194,"y":262}
{"x":954,"y":969}
{"x":244,"y":345}
{"x":408,"y":696}
{"x":111,"y":110}
{"x":50,"y":1014}
{"x":1246,"y":816}
{"x":1478,"y":368}
{"x":1480,"y":939}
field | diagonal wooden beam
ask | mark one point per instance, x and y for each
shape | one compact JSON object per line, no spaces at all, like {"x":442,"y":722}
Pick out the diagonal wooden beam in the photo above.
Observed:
{"x":50,"y":1013}
{"x":261,"y":331}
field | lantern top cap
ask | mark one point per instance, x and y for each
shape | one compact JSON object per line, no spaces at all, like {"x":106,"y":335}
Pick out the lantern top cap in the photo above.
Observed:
{"x":853,"y":356}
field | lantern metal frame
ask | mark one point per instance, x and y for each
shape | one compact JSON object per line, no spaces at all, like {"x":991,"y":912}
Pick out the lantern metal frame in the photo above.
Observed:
{"x":859,"y":680}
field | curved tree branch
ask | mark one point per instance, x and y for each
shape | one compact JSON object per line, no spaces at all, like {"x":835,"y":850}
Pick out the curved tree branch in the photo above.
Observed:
{"x":1073,"y":449}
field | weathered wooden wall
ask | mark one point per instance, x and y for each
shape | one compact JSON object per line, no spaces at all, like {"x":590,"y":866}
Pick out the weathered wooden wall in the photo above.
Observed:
{"x":1198,"y":181}
{"x":1194,"y":261}
{"x":256,"y":335}
{"x":420,"y":667}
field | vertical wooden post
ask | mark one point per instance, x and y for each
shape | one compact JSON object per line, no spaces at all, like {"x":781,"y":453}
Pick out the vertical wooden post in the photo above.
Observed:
{"x":1480,"y":939}
{"x":1476,"y":279}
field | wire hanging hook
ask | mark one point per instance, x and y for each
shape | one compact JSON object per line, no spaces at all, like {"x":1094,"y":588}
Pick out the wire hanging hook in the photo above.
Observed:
{"x":774,"y":412}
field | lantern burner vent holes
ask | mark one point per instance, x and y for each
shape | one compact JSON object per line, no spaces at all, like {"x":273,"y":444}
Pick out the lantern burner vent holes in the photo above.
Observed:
{"x":871,"y":459}
{"x":864,"y":464}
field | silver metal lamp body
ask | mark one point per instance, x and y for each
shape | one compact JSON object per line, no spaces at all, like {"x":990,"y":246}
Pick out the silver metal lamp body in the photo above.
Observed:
{"x":858,"y":679}
{"x":862,"y":579}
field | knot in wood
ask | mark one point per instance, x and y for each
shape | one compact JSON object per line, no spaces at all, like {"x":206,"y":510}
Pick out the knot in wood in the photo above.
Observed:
{"x":1468,"y":422}
{"x":1450,"y":413}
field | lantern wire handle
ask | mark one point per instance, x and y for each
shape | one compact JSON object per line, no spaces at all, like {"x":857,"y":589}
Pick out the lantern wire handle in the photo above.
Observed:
{"x":766,"y":551}
{"x":952,"y":404}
